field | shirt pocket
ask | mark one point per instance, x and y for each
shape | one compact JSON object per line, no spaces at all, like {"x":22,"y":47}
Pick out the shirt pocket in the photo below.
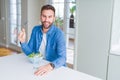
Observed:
{"x":52,"y":46}
{"x":51,"y":50}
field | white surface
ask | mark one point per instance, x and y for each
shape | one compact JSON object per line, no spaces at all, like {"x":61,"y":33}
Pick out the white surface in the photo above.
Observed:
{"x":92,"y":36}
{"x":115,"y":40}
{"x":18,"y":67}
{"x":114,"y":67}
{"x":71,"y":33}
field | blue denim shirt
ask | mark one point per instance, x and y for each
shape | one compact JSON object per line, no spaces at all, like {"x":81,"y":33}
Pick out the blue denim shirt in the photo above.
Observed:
{"x":55,"y":47}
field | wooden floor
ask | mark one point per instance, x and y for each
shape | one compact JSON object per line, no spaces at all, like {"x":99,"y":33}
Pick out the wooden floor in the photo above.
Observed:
{"x":6,"y":51}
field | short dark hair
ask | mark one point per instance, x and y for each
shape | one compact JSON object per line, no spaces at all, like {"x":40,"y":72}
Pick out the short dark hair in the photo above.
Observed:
{"x":48,"y":7}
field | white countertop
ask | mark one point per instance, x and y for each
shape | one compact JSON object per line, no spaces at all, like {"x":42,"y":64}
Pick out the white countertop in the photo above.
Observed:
{"x":18,"y":67}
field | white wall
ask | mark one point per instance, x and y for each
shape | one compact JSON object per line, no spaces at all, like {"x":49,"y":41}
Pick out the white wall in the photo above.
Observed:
{"x":93,"y":24}
{"x":33,"y":14}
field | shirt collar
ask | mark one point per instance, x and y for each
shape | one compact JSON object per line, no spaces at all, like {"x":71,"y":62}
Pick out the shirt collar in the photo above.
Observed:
{"x":51,"y":30}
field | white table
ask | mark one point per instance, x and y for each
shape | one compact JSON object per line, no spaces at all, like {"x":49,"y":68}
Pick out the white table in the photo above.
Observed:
{"x":18,"y":67}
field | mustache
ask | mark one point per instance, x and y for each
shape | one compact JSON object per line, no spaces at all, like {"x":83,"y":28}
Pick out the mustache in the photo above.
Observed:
{"x":45,"y":22}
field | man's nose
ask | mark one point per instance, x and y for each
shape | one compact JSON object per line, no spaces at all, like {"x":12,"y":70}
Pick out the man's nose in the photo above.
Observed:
{"x":46,"y":19}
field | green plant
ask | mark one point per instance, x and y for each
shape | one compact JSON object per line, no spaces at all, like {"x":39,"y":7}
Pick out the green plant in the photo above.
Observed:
{"x":72,"y":10}
{"x":59,"y":22}
{"x":35,"y":54}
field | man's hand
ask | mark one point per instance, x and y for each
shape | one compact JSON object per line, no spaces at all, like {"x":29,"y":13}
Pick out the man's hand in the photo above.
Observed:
{"x":42,"y":70}
{"x":22,"y":36}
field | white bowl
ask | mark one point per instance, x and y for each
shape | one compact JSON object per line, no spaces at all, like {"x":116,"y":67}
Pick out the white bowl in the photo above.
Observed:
{"x":35,"y":59}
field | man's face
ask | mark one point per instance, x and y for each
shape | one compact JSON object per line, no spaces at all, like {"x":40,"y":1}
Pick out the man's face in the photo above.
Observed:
{"x":47,"y":18}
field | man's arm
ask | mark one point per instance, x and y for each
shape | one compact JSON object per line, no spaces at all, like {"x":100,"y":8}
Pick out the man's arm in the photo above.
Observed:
{"x":61,"y":51}
{"x":28,"y":47}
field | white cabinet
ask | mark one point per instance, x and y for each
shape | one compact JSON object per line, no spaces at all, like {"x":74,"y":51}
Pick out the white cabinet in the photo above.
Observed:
{"x":93,"y":33}
{"x":114,"y":57}
{"x":114,"y":67}
{"x":97,"y":46}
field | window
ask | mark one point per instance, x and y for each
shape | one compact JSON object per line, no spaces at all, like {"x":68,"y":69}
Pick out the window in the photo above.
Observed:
{"x":65,"y":20}
{"x":59,"y":6}
{"x":15,"y":20}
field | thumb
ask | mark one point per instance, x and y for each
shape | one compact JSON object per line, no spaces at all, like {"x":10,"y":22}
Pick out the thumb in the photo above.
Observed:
{"x":23,"y":30}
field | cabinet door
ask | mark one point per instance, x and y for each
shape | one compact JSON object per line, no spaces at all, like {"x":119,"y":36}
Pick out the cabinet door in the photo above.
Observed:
{"x":114,"y":67}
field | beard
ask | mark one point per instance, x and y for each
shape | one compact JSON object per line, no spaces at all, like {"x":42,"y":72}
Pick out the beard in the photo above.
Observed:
{"x":46,"y":25}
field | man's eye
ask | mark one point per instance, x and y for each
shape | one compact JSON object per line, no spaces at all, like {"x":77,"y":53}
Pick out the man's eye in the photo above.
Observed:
{"x":44,"y":16}
{"x":50,"y":16}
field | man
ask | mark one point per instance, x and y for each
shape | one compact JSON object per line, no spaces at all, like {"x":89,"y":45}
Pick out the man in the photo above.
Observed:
{"x":46,"y":39}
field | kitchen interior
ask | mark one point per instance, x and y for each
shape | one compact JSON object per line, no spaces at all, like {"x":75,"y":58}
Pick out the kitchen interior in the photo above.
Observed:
{"x":93,"y":40}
